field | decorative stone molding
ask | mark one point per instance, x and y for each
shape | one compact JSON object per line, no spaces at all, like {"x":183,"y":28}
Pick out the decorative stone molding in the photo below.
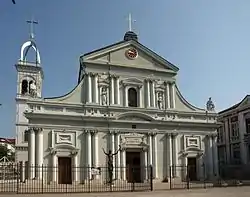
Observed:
{"x":52,"y":151}
{"x":133,"y":140}
{"x":74,"y":152}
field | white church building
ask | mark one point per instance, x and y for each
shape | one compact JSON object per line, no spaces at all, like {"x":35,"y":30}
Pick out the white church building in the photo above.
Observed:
{"x":126,"y":96}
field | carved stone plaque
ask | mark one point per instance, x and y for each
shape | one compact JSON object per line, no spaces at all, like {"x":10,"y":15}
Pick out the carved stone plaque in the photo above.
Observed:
{"x":65,"y":138}
{"x":133,"y":140}
{"x":192,"y":142}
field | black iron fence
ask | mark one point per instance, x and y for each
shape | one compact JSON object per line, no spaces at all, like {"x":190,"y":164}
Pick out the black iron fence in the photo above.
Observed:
{"x":189,"y":177}
{"x":16,"y":178}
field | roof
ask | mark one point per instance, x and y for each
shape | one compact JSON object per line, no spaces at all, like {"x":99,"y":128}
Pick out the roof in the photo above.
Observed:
{"x":234,"y":106}
{"x":8,"y":140}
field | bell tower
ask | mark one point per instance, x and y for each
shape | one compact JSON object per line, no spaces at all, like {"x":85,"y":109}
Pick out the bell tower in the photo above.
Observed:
{"x":29,"y":72}
{"x":29,"y":87}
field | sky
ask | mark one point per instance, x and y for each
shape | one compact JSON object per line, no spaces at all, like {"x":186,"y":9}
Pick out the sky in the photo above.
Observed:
{"x":208,"y":40}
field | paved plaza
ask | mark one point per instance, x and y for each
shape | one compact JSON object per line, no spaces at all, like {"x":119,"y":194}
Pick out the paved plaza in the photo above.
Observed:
{"x":216,"y":192}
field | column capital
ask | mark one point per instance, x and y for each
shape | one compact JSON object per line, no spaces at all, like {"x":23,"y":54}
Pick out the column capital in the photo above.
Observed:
{"x":115,"y":76}
{"x":114,"y":131}
{"x":90,"y":130}
{"x":174,"y":135}
{"x":52,"y":151}
{"x":169,"y":135}
{"x":35,"y":129}
{"x":74,"y":152}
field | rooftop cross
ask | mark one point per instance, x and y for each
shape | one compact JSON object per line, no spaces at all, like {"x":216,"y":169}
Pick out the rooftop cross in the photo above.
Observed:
{"x":32,"y":22}
{"x":130,"y":21}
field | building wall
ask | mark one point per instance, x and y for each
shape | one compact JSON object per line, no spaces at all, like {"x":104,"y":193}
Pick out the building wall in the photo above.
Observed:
{"x":233,"y":144}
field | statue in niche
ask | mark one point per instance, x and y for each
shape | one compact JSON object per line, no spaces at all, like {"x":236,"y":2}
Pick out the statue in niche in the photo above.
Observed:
{"x":104,"y":96}
{"x":110,"y":163}
{"x":210,"y":105}
{"x":160,"y":100}
{"x":32,"y":89}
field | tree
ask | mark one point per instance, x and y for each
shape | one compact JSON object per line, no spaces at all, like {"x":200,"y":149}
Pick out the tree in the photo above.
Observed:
{"x":5,"y":152}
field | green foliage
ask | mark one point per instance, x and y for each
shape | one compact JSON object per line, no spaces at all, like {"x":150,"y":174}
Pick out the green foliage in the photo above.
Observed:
{"x":4,"y":152}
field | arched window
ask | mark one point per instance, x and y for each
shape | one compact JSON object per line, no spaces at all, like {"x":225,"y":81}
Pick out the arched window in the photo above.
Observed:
{"x":132,"y":97}
{"x":24,"y":87}
{"x":26,"y":136}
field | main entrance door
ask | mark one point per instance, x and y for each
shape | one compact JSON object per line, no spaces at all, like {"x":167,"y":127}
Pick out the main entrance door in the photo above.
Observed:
{"x":64,"y":170}
{"x":133,"y":165}
{"x":192,"y":169}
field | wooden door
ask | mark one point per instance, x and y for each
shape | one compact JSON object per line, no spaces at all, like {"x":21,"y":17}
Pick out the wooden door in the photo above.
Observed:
{"x":192,"y":169}
{"x":133,"y":166}
{"x":64,"y":170}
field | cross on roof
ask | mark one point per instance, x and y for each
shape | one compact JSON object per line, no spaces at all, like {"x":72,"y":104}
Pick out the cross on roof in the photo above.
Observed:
{"x":130,"y":21}
{"x":31,"y":23}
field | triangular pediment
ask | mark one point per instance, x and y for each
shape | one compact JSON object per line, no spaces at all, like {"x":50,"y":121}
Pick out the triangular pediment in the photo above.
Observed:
{"x":117,"y":54}
{"x":245,"y":101}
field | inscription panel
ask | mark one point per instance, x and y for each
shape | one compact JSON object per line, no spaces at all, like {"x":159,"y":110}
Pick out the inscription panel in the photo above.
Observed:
{"x":65,"y":138}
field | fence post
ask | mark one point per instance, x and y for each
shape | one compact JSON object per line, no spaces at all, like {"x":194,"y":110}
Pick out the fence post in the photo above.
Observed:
{"x":42,"y":178}
{"x":133,"y":179}
{"x":151,"y":178}
{"x":88,"y":175}
{"x":19,"y":166}
{"x":204,"y":176}
{"x":170,"y":178}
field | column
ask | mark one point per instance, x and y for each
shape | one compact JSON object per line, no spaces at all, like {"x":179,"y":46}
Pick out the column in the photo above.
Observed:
{"x":126,"y":96}
{"x":112,"y":148}
{"x":112,"y":95}
{"x":96,"y":149}
{"x":170,"y":155}
{"x":22,"y":171}
{"x":173,"y":95}
{"x":89,"y":89}
{"x":89,"y":156}
{"x":118,"y":157}
{"x":150,"y":156}
{"x":215,"y":156}
{"x":242,"y":131}
{"x":96,"y":152}
{"x":209,"y":160}
{"x":31,"y":153}
{"x":96,"y":90}
{"x":54,"y":164}
{"x":39,"y":152}
{"x":123,"y":164}
{"x":155,"y":153}
{"x":152,"y":94}
{"x":175,"y":147}
{"x":167,"y":100}
{"x":76,"y":168}
{"x":146,"y":164}
{"x":117,"y":91}
{"x":148,"y":93}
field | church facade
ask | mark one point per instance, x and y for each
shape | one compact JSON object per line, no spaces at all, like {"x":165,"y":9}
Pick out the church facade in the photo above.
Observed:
{"x":126,"y":99}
